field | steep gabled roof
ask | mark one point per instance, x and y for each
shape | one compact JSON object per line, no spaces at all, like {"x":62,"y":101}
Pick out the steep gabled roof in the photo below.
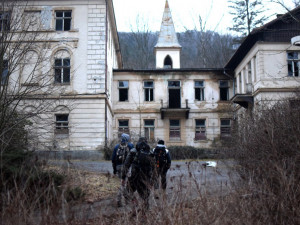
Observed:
{"x":281,"y":29}
{"x":167,"y":36}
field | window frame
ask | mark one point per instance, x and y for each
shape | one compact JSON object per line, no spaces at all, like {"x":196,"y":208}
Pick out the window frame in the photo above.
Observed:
{"x":224,"y":88}
{"x":148,"y":129}
{"x":201,"y":90}
{"x":122,"y":88}
{"x":201,"y":129}
{"x":225,"y":130}
{"x":123,"y":129}
{"x":173,"y":129}
{"x":293,"y":62}
{"x":63,"y":18}
{"x":62,"y":68}
{"x":7,"y":23}
{"x":62,"y":126}
{"x":150,"y":91}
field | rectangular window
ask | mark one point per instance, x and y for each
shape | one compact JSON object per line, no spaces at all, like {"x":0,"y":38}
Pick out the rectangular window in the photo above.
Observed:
{"x":200,"y":132}
{"x":62,"y":124}
{"x":174,"y":130}
{"x":249,"y":73}
{"x":293,"y":64}
{"x":149,"y":129}
{"x":148,"y":89}
{"x":63,"y":20}
{"x":123,"y":91}
{"x":199,"y":90}
{"x":62,"y":69}
{"x":4,"y":21}
{"x":4,"y":73}
{"x":225,"y":128}
{"x":224,"y":90}
{"x":123,"y":127}
{"x":174,"y":84}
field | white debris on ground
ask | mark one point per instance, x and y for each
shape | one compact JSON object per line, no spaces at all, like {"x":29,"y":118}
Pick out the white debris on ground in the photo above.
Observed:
{"x":211,"y":164}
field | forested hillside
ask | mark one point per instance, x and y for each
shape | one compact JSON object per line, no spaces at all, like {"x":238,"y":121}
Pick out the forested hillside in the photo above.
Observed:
{"x":199,"y":49}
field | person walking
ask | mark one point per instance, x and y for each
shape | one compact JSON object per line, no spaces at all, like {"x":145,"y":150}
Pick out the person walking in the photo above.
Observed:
{"x":119,"y":155}
{"x":163,"y":164}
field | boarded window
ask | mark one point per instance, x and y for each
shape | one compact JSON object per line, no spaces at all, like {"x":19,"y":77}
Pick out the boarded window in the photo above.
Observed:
{"x":293,"y":63}
{"x":174,"y":130}
{"x":148,"y":89}
{"x":199,"y":90}
{"x":123,"y":127}
{"x":224,"y":90}
{"x":123,"y":91}
{"x":225,"y":128}
{"x":63,"y":20}
{"x":200,"y":132}
{"x":62,"y":124}
{"x":149,"y":129}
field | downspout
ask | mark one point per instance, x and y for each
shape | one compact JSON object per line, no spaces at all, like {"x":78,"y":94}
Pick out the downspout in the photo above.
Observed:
{"x":106,"y":27}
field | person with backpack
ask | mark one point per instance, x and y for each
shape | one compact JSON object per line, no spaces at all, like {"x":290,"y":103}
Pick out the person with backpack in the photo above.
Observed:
{"x":163,"y":164}
{"x":119,"y":155}
{"x":141,"y":161}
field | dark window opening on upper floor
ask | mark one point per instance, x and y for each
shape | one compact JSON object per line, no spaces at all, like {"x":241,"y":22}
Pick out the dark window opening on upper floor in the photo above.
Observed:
{"x":123,"y":91}
{"x":63,"y":20}
{"x":168,"y":64}
{"x":224,"y":90}
{"x":4,"y":21}
{"x":293,"y":64}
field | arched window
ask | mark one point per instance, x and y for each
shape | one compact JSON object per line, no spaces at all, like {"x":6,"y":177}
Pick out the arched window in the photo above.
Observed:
{"x":62,"y":67}
{"x":168,"y":64}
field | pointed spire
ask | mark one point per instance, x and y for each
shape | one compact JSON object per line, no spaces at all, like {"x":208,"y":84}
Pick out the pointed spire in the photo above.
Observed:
{"x":167,"y":36}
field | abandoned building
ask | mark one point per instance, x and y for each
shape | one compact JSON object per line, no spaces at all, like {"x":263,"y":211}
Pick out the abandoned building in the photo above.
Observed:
{"x":97,"y":99}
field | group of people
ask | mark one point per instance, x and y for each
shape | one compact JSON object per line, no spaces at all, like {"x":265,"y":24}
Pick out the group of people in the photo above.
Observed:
{"x":148,"y":166}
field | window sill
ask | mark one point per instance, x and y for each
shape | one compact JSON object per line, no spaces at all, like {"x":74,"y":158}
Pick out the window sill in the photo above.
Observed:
{"x":62,"y":84}
{"x":201,"y":141}
{"x":175,"y":141}
{"x":30,"y":84}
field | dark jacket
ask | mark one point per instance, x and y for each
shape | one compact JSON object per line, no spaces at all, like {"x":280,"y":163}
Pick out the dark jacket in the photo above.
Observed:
{"x":114,"y":160}
{"x":165,"y":163}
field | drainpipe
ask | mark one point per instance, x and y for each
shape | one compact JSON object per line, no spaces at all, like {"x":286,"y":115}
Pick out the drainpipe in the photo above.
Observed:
{"x":106,"y":27}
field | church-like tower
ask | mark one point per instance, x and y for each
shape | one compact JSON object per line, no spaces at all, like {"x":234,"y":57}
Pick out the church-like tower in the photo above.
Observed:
{"x":167,"y":49}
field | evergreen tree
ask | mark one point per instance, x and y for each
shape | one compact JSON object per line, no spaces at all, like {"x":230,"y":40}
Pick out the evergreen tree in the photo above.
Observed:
{"x":248,"y":14}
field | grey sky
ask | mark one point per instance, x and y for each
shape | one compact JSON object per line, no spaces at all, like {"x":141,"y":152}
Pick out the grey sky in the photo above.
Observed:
{"x":185,"y":13}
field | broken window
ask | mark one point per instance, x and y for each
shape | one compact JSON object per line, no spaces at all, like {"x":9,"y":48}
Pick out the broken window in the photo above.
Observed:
{"x":174,"y":94}
{"x":199,"y":90}
{"x":123,"y":91}
{"x":149,"y":88}
{"x":200,"y":133}
{"x":168,"y":64}
{"x":149,"y":129}
{"x":4,"y":21}
{"x":63,"y":20}
{"x":62,"y":124}
{"x":4,"y":72}
{"x":62,"y":69}
{"x":123,"y":127}
{"x":174,"y":130}
{"x":225,"y":128}
{"x":293,"y":64}
{"x":224,"y":90}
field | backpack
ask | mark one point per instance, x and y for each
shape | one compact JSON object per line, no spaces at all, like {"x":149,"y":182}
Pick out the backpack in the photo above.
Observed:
{"x":160,"y":156}
{"x":122,"y":153}
{"x":144,"y":159}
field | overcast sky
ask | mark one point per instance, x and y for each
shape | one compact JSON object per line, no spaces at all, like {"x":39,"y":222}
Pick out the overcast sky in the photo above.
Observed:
{"x":185,"y":13}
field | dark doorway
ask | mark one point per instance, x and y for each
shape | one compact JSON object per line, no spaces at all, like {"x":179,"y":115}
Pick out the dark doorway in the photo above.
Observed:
{"x":174,"y":94}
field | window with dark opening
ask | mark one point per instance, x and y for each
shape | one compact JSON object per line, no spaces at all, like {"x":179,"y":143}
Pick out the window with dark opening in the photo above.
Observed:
{"x":174,"y":130}
{"x":123,"y":91}
{"x":148,"y":88}
{"x":62,"y":124}
{"x":224,"y":90}
{"x":4,"y":21}
{"x":199,"y":90}
{"x":123,"y":127}
{"x":225,"y":128}
{"x":168,"y":64}
{"x":149,"y":129}
{"x":4,"y":72}
{"x":63,"y":20}
{"x":200,"y":132}
{"x":62,"y":69}
{"x":174,"y":94}
{"x":293,"y":64}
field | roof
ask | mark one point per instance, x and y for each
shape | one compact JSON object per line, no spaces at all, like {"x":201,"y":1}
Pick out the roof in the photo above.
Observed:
{"x":167,"y":35}
{"x":159,"y":71}
{"x":281,"y":29}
